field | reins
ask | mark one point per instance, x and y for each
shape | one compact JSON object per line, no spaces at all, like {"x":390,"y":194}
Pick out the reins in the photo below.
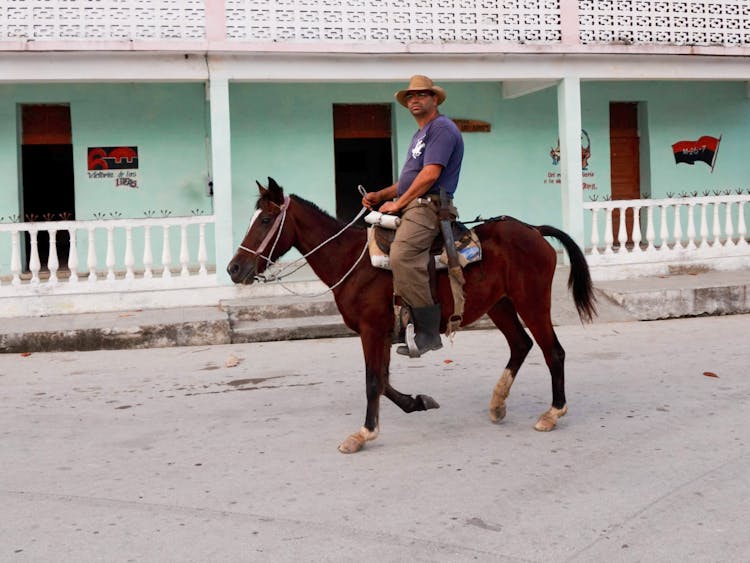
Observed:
{"x":282,"y":273}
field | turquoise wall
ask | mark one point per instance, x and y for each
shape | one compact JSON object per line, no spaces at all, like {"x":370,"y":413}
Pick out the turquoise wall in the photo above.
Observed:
{"x":167,"y":122}
{"x":286,"y":131}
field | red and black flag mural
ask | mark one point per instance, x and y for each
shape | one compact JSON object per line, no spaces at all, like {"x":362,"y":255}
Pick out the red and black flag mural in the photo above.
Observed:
{"x":704,"y":149}
{"x":113,"y":158}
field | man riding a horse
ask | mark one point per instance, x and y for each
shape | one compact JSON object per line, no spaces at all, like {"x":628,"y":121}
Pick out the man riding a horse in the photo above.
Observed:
{"x":433,"y":162}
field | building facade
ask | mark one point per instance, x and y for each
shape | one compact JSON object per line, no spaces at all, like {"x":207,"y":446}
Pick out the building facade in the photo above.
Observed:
{"x":132,"y":133}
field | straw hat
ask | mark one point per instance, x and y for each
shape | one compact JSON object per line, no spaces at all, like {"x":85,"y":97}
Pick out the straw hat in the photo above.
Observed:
{"x":417,"y":83}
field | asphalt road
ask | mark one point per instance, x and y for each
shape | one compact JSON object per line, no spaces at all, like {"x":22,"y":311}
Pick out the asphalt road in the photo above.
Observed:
{"x":171,"y":455}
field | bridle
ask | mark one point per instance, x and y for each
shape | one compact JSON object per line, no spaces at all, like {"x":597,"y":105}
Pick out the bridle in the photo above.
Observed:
{"x":276,"y":229}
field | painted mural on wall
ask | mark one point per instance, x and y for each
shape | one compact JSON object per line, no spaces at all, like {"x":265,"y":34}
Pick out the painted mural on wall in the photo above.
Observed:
{"x":553,"y":177}
{"x":705,"y":149}
{"x":119,"y":164}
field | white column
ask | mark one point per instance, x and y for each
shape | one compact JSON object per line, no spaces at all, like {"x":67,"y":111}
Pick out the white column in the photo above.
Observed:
{"x":221,"y":165}
{"x":569,"y":129}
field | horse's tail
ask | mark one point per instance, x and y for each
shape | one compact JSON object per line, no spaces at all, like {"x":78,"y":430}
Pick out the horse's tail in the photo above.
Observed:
{"x":579,"y":281}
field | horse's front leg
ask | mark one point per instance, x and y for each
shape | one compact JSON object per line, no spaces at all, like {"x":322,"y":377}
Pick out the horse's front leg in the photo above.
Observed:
{"x":377,"y":350}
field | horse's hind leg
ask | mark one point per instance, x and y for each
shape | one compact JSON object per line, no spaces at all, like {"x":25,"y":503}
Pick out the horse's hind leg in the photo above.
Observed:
{"x":554,"y":354}
{"x":503,"y":314}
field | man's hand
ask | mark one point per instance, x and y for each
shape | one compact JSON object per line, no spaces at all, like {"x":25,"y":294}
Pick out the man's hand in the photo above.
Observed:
{"x":390,"y":207}
{"x":370,"y":199}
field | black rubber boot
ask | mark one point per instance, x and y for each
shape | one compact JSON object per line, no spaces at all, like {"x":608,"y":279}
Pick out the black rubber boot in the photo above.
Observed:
{"x":427,"y":329}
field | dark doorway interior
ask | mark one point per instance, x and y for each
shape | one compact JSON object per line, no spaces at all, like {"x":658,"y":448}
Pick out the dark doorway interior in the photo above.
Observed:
{"x":362,"y":148}
{"x":47,"y":175}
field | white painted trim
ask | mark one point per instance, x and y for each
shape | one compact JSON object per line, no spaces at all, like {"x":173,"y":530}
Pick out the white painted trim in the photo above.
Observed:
{"x":518,"y":88}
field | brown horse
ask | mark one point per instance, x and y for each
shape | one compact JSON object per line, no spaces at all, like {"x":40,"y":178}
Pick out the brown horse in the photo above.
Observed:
{"x":513,"y":279}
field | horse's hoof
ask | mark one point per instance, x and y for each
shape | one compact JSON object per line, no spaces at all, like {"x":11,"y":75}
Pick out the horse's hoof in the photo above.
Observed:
{"x":428,"y":402}
{"x":355,"y":442}
{"x":497,"y":413}
{"x":549,"y":419}
{"x":352,"y":444}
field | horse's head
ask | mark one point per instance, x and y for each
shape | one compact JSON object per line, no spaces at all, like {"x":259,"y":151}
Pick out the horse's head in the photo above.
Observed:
{"x":268,"y":236}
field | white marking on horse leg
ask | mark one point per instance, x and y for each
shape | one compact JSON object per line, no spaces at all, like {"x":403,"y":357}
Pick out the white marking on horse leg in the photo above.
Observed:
{"x":355,"y":442}
{"x":499,"y":394}
{"x":548,"y":420}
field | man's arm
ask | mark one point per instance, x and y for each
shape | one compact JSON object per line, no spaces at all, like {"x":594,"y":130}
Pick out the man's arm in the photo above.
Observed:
{"x":420,"y":186}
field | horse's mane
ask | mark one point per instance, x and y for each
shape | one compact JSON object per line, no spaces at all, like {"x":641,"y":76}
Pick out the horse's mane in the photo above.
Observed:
{"x":341,"y":224}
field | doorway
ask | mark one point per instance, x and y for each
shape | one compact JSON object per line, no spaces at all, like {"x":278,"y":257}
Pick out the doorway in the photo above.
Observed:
{"x":363,"y":154}
{"x":624,"y":151}
{"x":47,"y":175}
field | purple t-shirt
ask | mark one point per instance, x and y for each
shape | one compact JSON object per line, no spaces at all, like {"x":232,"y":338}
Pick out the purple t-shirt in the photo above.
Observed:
{"x":438,"y":142}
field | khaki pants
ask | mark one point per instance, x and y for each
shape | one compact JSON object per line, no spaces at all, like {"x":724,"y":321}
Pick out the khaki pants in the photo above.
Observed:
{"x":410,"y":251}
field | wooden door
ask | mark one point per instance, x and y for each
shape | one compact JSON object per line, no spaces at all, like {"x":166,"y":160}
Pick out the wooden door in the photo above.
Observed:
{"x":624,"y":150}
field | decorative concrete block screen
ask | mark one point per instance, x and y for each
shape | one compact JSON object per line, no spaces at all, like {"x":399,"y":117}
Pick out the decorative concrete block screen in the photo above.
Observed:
{"x":405,"y":21}
{"x":102,"y":19}
{"x":690,"y":22}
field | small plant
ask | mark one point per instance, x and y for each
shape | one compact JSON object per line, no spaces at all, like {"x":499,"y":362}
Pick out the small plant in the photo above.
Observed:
{"x":48,"y":216}
{"x":15,"y":218}
{"x":165,"y":212}
{"x":149,"y":213}
{"x":594,"y":197}
{"x":607,"y":197}
{"x":670,"y":195}
{"x":115,"y":214}
{"x":65,"y":215}
{"x":31,"y":217}
{"x":99,"y":215}
{"x":197,"y":211}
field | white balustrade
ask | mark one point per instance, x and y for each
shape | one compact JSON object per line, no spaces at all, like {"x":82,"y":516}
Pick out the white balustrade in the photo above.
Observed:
{"x":123,"y":268}
{"x":709,"y":233}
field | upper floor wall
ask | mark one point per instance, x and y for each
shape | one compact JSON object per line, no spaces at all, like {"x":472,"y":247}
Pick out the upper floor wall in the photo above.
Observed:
{"x":713,"y":27}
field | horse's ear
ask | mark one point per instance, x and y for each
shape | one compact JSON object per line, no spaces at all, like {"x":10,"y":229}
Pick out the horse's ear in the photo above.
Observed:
{"x":261,"y":188}
{"x":277,"y":192}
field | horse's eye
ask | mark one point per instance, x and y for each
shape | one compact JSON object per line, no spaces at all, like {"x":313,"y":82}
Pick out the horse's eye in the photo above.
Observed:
{"x":265,"y":220}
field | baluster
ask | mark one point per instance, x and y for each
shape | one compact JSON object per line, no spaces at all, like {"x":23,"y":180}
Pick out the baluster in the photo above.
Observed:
{"x":716,"y":227}
{"x":622,"y":231}
{"x":148,"y":258}
{"x":110,"y":253}
{"x":202,"y":249}
{"x":73,"y":257}
{"x":728,"y":224}
{"x":15,"y":258}
{"x":91,"y":257}
{"x":34,"y":264}
{"x":184,"y":255}
{"x":663,"y":229}
{"x":608,"y":236}
{"x":741,"y":229}
{"x":166,"y":256}
{"x":637,"y":228}
{"x":595,"y":231}
{"x":650,"y":232}
{"x":129,"y":258}
{"x":53,"y":263}
{"x":678,"y":225}
{"x":691,"y":227}
{"x":703,"y":241}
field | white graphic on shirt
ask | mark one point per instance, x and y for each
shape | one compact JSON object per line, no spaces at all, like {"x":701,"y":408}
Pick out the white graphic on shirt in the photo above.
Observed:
{"x":417,"y":150}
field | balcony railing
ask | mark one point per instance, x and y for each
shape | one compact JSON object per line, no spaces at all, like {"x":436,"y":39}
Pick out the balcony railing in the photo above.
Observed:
{"x":690,"y":230}
{"x":141,"y":23}
{"x":106,"y":255}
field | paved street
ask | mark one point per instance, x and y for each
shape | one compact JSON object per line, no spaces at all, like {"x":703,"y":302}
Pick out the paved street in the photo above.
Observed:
{"x":173,"y":454}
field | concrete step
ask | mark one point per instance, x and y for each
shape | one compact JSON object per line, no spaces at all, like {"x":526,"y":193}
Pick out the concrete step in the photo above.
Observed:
{"x":242,"y":310}
{"x":290,"y":328}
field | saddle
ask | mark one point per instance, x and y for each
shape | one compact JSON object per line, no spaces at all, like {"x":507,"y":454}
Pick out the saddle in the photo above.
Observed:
{"x":467,"y":244}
